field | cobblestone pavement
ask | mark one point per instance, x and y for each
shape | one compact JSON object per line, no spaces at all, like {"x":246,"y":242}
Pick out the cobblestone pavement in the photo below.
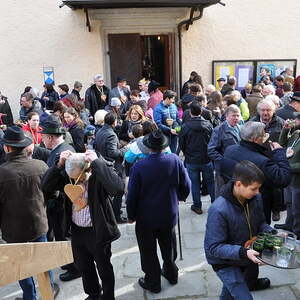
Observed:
{"x":196,"y":278}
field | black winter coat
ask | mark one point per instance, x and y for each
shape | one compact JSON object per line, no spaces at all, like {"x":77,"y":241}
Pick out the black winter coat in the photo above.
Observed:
{"x":93,"y":101}
{"x":193,"y":140}
{"x":103,"y":184}
{"x":287,"y":112}
{"x":77,"y":134}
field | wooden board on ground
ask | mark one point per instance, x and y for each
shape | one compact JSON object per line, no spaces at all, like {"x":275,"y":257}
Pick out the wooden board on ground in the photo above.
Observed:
{"x":19,"y":261}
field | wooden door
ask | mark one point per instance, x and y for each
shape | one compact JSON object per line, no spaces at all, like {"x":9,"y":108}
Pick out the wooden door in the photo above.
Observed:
{"x":125,"y":58}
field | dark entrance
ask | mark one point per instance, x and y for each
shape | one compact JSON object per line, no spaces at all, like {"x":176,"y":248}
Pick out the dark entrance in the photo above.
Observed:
{"x":134,"y":55}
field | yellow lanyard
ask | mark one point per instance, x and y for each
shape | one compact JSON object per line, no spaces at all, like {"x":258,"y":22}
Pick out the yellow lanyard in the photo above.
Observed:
{"x":247,"y":214}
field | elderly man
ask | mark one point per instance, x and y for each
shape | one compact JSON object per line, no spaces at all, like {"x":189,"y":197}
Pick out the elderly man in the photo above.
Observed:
{"x":96,"y":96}
{"x":22,"y":206}
{"x":266,"y":115}
{"x":242,"y":104}
{"x":90,"y":213}
{"x":291,"y":109}
{"x":268,"y":89}
{"x":156,"y":184}
{"x":275,"y":165}
{"x":166,"y":117}
{"x":224,"y":135}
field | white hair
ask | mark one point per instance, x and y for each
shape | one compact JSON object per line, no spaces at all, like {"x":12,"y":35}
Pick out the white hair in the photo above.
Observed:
{"x":269,"y":89}
{"x":98,"y":77}
{"x":236,"y":94}
{"x":211,"y":87}
{"x":74,"y":162}
{"x":252,"y":130}
{"x":266,"y":102}
{"x":99,"y":116}
{"x":274,"y":98}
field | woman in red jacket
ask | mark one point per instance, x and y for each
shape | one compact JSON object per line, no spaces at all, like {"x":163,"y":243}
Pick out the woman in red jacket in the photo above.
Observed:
{"x":32,"y":127}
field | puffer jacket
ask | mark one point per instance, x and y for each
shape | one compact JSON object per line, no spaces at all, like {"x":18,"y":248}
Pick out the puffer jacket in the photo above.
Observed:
{"x":162,"y":113}
{"x":227,"y":229}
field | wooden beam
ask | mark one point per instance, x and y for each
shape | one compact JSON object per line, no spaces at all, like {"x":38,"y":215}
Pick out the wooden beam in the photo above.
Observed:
{"x":19,"y":261}
{"x":45,"y":286}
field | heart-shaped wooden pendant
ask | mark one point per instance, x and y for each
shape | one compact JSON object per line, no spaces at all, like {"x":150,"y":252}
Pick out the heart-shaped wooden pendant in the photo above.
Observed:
{"x":76,"y":195}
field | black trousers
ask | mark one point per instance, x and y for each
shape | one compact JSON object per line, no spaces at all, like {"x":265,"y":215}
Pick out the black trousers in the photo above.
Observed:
{"x":251,"y":274}
{"x":86,"y":252}
{"x":147,"y":241}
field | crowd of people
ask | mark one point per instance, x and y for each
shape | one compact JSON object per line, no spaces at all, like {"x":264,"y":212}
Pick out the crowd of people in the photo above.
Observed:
{"x":69,"y":164}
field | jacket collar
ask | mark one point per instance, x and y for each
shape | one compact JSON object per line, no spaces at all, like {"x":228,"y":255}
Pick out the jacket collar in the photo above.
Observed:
{"x":254,"y":147}
{"x":16,"y":155}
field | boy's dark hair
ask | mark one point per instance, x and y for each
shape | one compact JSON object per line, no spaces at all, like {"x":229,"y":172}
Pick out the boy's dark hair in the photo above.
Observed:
{"x":110,"y":118}
{"x":247,"y":173}
{"x":195,"y":88}
{"x":148,"y":127}
{"x":137,"y":130}
{"x":169,"y":94}
{"x":200,"y":98}
{"x":196,"y":108}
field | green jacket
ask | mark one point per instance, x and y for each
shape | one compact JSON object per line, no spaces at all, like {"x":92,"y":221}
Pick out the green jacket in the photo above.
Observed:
{"x":287,"y":139}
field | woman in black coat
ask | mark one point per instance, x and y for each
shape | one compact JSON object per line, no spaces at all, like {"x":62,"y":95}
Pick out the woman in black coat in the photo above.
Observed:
{"x":49,"y":97}
{"x":75,"y":126}
{"x":135,"y":115}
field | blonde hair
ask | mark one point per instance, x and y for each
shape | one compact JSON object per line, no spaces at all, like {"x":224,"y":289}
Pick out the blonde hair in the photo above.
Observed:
{"x":139,"y":110}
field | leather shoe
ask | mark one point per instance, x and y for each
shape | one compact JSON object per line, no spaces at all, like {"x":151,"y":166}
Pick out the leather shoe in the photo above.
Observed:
{"x":68,"y":276}
{"x":172,"y":281}
{"x":197,"y":210}
{"x":144,"y":285}
{"x":281,"y":226}
{"x":122,"y":220}
{"x":261,"y":284}
{"x":275,"y":216}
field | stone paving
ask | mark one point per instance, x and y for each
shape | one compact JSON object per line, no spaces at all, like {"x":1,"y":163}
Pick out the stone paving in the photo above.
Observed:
{"x":196,"y":278}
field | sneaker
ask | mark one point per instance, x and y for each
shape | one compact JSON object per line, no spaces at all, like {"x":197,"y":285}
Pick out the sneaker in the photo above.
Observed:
{"x":275,"y":216}
{"x":197,"y":210}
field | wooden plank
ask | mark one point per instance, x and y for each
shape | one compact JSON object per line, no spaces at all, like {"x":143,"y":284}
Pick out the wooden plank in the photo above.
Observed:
{"x":45,"y":286}
{"x":19,"y":261}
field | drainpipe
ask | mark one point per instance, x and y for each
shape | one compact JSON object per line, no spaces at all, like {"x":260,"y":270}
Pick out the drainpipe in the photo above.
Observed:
{"x":188,"y":22}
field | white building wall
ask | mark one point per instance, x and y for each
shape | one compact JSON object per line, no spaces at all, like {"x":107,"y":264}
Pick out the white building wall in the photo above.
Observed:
{"x":243,"y":29}
{"x":34,"y":34}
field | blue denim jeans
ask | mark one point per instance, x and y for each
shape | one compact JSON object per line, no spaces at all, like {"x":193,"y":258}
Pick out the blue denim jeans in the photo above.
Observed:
{"x":194,"y":171}
{"x":234,"y":284}
{"x":27,"y":284}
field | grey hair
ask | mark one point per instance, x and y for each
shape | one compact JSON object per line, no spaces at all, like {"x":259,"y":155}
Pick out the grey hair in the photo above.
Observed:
{"x":99,"y":116}
{"x":273,"y":98}
{"x":75,"y":161}
{"x":211,"y":87}
{"x":269,"y":88}
{"x":232,"y":108}
{"x":236,"y":94}
{"x":267,"y":102}
{"x":98,"y":77}
{"x":252,"y":130}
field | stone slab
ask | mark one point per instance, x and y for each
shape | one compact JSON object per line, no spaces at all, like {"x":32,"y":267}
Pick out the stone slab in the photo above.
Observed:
{"x":189,"y":285}
{"x":274,"y":294}
{"x":278,"y":277}
{"x":193,"y":240}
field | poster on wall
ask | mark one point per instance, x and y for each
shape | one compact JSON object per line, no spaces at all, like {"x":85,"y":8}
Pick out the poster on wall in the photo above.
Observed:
{"x":274,"y":68}
{"x":242,"y":70}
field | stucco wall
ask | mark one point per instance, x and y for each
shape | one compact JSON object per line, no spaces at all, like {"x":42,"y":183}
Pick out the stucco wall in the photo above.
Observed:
{"x":243,"y":29}
{"x":34,"y":34}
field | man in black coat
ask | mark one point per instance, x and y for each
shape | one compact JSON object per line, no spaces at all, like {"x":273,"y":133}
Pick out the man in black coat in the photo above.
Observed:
{"x":193,"y":140}
{"x":96,"y":96}
{"x":107,"y":144}
{"x":93,"y":223}
{"x":275,"y":167}
{"x":53,"y":138}
{"x":290,"y":110}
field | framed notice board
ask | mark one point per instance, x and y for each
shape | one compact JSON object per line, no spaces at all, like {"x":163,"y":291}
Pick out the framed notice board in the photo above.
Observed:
{"x":250,"y":71}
